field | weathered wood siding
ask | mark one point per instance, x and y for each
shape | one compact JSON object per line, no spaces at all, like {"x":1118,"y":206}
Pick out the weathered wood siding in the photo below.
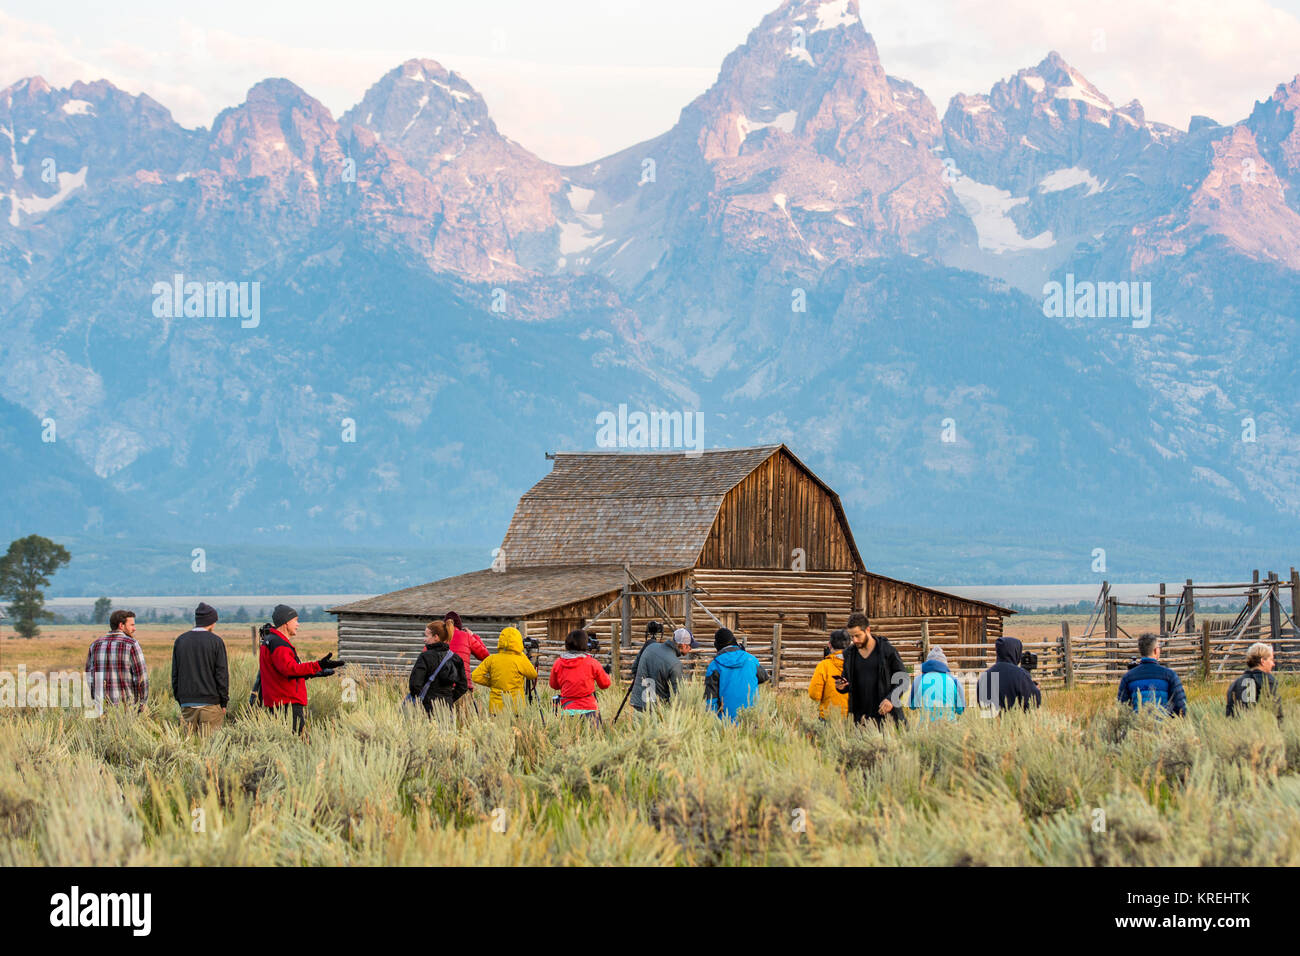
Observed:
{"x":883,"y":597}
{"x":392,"y":643}
{"x":773,"y":511}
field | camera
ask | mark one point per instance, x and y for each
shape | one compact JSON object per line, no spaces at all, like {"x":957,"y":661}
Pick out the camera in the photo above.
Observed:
{"x":593,"y":645}
{"x":1028,"y":660}
{"x":531,"y":644}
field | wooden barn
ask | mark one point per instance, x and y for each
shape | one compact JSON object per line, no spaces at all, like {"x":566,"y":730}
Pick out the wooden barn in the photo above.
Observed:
{"x":747,"y":537}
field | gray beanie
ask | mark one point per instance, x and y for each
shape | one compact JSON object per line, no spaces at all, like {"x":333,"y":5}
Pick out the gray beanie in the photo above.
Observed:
{"x":937,"y":654}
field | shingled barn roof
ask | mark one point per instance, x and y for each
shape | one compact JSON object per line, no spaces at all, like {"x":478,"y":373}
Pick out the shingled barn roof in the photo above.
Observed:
{"x":654,"y":508}
{"x":515,"y":592}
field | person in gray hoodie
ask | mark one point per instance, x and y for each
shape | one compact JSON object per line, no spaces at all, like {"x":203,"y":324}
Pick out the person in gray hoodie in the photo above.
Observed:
{"x":659,"y":670}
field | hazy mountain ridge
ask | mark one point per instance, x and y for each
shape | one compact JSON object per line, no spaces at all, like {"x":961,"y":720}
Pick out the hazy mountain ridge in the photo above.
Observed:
{"x":398,"y":248}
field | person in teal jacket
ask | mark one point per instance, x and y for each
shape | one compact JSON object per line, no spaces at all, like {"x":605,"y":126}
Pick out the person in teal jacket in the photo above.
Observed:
{"x":936,"y":693}
{"x":732,"y":677}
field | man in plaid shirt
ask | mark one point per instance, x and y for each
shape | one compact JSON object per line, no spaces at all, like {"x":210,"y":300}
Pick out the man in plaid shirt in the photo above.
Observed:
{"x":115,"y":663}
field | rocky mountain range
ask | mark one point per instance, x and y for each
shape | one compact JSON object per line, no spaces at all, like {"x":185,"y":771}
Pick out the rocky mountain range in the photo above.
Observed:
{"x":400,"y":309}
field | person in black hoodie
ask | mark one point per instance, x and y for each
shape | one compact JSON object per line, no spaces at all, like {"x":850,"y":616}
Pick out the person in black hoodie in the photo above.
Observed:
{"x":874,"y":674}
{"x":449,"y":682}
{"x":1006,"y":683}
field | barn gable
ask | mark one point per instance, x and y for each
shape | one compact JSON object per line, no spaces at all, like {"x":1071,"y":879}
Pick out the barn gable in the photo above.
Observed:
{"x":725,"y":508}
{"x":651,"y":508}
{"x":780,"y":516}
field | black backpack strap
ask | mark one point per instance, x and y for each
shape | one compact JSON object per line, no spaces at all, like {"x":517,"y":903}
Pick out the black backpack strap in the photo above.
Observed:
{"x":429,"y":683}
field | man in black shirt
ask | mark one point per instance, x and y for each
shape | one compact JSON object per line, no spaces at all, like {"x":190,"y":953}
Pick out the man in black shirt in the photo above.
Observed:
{"x":200,"y":675}
{"x":873,"y":674}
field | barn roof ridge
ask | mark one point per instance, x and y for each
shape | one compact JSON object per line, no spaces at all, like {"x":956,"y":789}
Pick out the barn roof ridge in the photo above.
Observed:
{"x":647,"y":452}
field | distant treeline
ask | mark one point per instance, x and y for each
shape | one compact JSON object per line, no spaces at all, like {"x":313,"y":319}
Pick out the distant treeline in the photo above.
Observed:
{"x":240,"y":615}
{"x":1086,"y":607}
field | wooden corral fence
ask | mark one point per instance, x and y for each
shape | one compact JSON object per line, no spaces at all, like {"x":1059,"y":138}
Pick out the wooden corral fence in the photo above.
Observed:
{"x":1208,"y":648}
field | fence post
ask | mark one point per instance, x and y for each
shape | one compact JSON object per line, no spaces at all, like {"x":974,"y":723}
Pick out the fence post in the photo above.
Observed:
{"x":1205,"y":650}
{"x":1112,"y":630}
{"x":1295,"y":595}
{"x":615,"y":658}
{"x":1274,"y":609}
{"x":1067,"y":655}
{"x":925,"y":638}
{"x":1162,"y":609}
{"x":1252,"y":602}
{"x":253,"y":630}
{"x":1189,"y":602}
{"x":776,"y":654}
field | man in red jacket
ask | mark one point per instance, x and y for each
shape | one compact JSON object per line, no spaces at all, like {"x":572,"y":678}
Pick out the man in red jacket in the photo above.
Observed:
{"x":282,"y":676}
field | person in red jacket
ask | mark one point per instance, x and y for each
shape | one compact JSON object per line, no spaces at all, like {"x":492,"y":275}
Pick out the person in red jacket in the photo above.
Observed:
{"x":281,"y":676}
{"x":465,"y":643}
{"x":576,"y":675}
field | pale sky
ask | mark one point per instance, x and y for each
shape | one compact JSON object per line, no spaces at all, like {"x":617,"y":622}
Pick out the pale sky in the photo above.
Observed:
{"x":574,"y":80}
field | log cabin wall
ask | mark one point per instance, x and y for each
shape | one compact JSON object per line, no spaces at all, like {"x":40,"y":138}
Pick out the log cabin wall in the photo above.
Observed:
{"x":391,"y":643}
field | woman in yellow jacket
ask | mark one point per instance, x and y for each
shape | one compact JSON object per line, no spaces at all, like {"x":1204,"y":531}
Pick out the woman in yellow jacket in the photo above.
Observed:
{"x":506,"y":671}
{"x":822,"y":686}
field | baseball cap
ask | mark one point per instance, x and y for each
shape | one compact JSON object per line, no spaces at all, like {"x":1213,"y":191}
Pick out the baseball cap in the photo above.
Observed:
{"x":683,"y":636}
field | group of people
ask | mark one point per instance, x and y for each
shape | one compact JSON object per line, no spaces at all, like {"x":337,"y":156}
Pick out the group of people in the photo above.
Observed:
{"x":862,"y":674}
{"x":117,"y":674}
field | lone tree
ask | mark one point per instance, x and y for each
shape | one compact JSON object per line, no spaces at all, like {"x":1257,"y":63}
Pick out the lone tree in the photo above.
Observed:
{"x":102,"y":607}
{"x":24,"y":571}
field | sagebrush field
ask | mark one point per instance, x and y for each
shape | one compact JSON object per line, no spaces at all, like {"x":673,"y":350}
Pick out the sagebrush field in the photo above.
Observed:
{"x":1081,"y":782}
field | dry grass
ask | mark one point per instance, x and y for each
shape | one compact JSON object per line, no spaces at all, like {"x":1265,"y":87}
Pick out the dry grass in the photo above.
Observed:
{"x":1081,"y":782}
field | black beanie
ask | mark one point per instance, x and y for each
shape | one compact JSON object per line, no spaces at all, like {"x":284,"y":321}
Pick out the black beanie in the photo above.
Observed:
{"x":204,"y":615}
{"x":282,"y":615}
{"x":723,"y":638}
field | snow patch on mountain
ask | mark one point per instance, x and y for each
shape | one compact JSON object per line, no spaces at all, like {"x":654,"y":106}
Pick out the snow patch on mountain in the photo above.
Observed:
{"x":1069,"y":178}
{"x":783,"y":121}
{"x":833,"y":14}
{"x":32,"y":205}
{"x":78,"y":108}
{"x":987,"y":207}
{"x":799,"y":53}
{"x":1079,"y":93}
{"x":424,"y":101}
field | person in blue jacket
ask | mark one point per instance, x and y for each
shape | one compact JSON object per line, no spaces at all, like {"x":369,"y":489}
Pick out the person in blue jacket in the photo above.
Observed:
{"x":1151,"y":683}
{"x":936,"y":693}
{"x":732,"y":677}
